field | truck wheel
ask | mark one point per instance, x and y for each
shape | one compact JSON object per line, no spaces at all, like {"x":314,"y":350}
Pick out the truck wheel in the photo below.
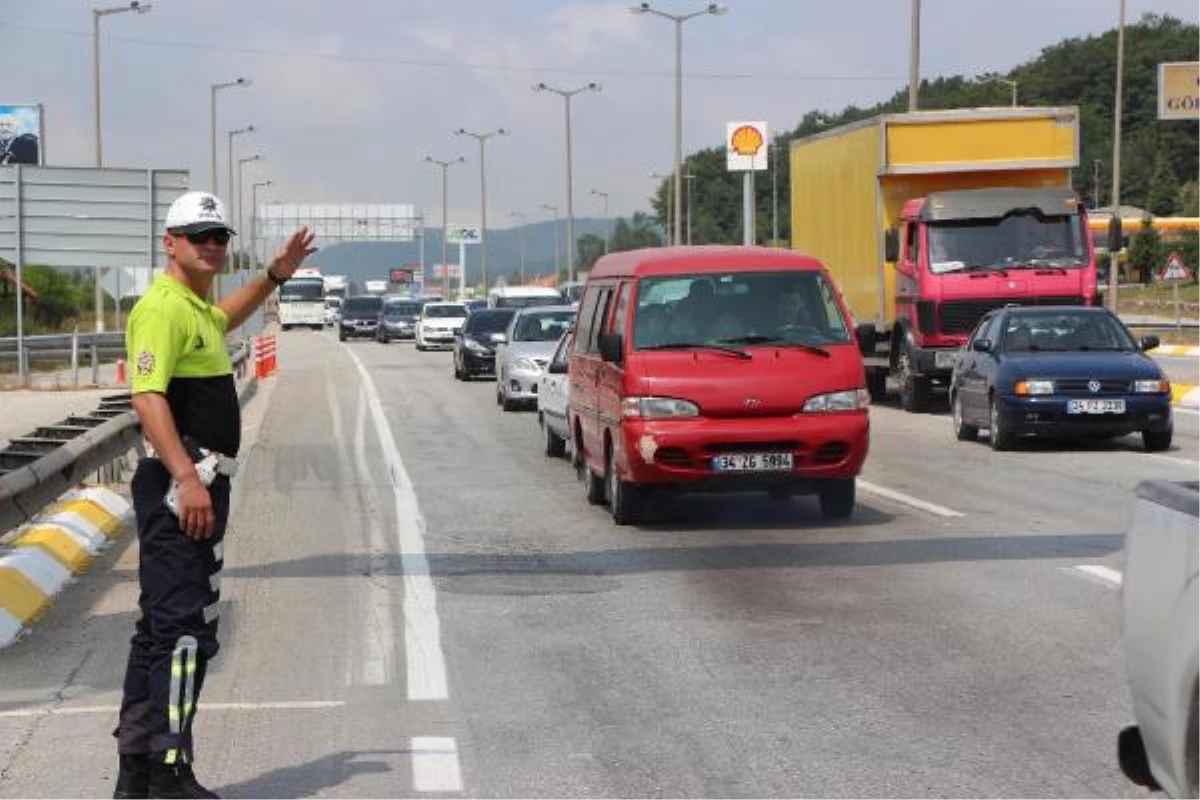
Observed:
{"x":1157,"y":441}
{"x":877,"y":384}
{"x":914,"y":389}
{"x":962,"y":431}
{"x":999,"y":437}
{"x":837,"y":498}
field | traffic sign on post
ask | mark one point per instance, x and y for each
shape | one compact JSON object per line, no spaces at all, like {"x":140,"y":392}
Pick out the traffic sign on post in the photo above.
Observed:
{"x":1175,"y":270}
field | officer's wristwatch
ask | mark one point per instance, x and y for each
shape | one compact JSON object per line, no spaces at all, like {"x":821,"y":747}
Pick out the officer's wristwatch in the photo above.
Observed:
{"x":275,"y":279}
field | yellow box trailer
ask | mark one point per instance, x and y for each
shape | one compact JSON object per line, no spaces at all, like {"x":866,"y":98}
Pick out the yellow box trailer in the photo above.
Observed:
{"x":913,"y":177}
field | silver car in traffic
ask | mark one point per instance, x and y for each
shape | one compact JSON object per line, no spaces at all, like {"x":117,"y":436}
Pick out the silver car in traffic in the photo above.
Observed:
{"x":522,"y":356}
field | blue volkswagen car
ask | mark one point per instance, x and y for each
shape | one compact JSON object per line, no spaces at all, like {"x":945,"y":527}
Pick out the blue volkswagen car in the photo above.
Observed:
{"x":1062,"y":371}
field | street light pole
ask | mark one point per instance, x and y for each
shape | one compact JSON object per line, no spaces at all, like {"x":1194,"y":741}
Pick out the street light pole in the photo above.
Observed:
{"x":607,"y":225}
{"x":254,"y":220}
{"x":549,"y":207}
{"x":241,"y":163}
{"x":237,"y":211}
{"x":482,"y":139}
{"x":445,"y":165}
{"x":97,"y":15}
{"x":521,"y":241}
{"x":774,"y":152}
{"x":690,"y":178}
{"x":914,"y":56}
{"x":1114,"y":263}
{"x":212,"y":128}
{"x":566,"y":95}
{"x":712,"y":8}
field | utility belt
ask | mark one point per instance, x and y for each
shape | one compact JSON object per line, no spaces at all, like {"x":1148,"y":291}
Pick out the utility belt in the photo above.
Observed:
{"x":209,"y":464}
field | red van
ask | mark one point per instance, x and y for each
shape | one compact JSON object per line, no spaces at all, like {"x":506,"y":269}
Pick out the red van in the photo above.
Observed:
{"x":703,"y":369}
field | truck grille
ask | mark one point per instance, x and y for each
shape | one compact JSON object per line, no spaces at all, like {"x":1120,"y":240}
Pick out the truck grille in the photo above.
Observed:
{"x":961,"y":316}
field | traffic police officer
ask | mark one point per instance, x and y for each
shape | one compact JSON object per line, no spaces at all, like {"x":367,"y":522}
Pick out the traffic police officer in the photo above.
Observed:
{"x":186,"y":400}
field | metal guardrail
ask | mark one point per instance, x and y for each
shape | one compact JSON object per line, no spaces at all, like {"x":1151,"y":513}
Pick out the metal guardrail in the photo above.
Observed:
{"x":37,"y":468}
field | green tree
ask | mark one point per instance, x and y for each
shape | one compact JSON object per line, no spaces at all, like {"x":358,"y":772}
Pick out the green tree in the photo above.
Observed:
{"x":1145,"y":253}
{"x":1163,"y":189}
{"x":58,"y":297}
{"x":588,"y":249}
{"x":634,"y":233}
{"x":1188,"y":200}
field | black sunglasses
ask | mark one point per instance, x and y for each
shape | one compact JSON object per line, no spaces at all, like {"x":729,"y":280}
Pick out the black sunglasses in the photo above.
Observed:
{"x":219,"y":236}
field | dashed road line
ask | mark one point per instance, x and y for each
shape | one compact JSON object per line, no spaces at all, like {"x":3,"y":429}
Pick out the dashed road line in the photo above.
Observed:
{"x":909,"y":500}
{"x":1107,"y":576}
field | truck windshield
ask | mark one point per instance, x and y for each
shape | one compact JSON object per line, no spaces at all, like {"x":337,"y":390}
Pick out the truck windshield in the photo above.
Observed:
{"x":1020,"y":239}
{"x":746,"y":309}
{"x":302,"y":290}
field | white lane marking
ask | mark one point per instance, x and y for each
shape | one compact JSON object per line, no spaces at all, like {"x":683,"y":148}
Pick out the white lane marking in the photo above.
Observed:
{"x":908,"y":500}
{"x":1190,"y":412}
{"x":1111,"y":577}
{"x":1172,"y":459}
{"x":422,"y":630}
{"x":285,"y":705}
{"x":435,"y":764}
{"x":378,"y":639}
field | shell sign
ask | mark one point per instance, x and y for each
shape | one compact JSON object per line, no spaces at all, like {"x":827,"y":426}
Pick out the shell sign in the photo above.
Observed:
{"x":746,"y":146}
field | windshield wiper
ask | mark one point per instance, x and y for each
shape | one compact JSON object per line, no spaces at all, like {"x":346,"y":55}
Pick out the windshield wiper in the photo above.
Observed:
{"x":733,"y":351}
{"x":1002,"y":269}
{"x":778,"y":341}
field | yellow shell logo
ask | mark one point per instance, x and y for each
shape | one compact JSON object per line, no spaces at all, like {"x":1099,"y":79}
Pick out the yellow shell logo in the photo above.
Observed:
{"x":746,"y":140}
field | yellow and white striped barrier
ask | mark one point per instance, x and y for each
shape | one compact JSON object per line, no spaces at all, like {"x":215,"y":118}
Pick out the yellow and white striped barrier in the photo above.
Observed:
{"x":1175,"y":350}
{"x":1185,"y":395}
{"x":58,"y":544}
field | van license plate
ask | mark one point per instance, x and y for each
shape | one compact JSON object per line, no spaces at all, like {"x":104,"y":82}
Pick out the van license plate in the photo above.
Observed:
{"x":752,"y":462}
{"x":1095,"y":406}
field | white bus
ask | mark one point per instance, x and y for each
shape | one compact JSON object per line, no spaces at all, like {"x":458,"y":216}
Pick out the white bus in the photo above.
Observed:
{"x":524,"y":297}
{"x":302,"y":300}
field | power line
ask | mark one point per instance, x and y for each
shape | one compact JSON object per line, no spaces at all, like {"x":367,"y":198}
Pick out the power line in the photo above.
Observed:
{"x":433,"y":64}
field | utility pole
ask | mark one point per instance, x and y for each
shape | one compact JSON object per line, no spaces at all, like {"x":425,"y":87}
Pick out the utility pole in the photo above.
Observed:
{"x":914,"y":56}
{"x":482,"y":139}
{"x":445,"y":165}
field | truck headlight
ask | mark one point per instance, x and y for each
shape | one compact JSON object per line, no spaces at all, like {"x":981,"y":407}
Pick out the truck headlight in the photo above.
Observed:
{"x":1033,"y":388}
{"x":1152,"y":387}
{"x":845,"y":400}
{"x":658,"y":407}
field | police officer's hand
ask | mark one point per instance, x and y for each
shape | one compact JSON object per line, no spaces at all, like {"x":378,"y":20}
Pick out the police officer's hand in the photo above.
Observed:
{"x":196,"y":516}
{"x":292,"y":254}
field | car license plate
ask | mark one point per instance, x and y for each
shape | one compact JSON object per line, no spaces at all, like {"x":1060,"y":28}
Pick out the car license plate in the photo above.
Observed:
{"x":1095,"y":406}
{"x":752,"y":462}
{"x":945,"y":359}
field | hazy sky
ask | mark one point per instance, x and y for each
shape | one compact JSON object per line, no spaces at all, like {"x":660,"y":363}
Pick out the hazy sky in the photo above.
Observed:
{"x":348,"y":96}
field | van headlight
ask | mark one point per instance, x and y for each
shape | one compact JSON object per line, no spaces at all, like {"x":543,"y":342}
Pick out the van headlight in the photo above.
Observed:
{"x":845,"y":400}
{"x":1152,"y":387}
{"x":658,"y":407}
{"x":1033,"y":388}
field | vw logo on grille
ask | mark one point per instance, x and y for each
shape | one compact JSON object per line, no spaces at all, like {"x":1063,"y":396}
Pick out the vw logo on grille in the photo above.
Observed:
{"x":753,"y":403}
{"x":1093,"y":386}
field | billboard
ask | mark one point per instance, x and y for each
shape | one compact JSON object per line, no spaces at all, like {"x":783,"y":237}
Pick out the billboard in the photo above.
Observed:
{"x":20,"y":134}
{"x":1179,"y":90}
{"x":746,"y":146}
{"x":463,"y":234}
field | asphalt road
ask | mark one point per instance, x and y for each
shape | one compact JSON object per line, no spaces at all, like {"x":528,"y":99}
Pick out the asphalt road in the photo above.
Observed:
{"x":419,"y":603}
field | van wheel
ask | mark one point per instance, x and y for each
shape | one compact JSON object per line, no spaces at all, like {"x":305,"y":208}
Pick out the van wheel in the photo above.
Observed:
{"x":962,"y":431}
{"x":593,"y":484}
{"x":624,"y":498}
{"x":507,"y":403}
{"x":837,"y":498}
{"x":556,"y":446}
{"x":914,"y":389}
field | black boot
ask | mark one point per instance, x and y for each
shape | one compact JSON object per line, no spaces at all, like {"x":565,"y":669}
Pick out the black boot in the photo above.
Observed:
{"x":175,"y":780}
{"x":133,"y":781}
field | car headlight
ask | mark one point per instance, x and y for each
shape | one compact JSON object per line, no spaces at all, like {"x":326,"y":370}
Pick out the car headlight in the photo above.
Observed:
{"x":845,"y":400}
{"x":527,"y":364}
{"x":474,"y":346}
{"x":1152,"y":386}
{"x":1033,"y":388}
{"x":658,"y":407}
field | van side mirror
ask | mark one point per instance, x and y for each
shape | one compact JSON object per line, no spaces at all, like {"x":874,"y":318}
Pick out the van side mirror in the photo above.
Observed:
{"x":1149,"y":342}
{"x":891,"y":245}
{"x":557,"y":368}
{"x":611,"y":347}
{"x":982,"y":345}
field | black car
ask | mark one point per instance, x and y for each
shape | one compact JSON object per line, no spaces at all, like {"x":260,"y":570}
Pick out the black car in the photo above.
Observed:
{"x":398,"y":320}
{"x":475,"y":346}
{"x":360,"y":317}
{"x":1059,"y":371}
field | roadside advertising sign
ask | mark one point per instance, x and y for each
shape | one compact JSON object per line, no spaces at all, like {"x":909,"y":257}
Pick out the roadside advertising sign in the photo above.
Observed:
{"x":464,"y":234}
{"x":746,"y":146}
{"x":1179,"y":90}
{"x":401,"y":276}
{"x":21,"y":134}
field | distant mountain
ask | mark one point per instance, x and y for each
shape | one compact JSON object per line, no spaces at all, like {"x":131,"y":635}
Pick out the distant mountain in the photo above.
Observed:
{"x":362,"y":261}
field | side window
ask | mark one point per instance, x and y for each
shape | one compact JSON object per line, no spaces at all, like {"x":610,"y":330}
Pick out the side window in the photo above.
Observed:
{"x":986,"y":329}
{"x":621,"y":316}
{"x":560,"y":354}
{"x":911,"y":249}
{"x":587,"y":312}
{"x":604,"y":295}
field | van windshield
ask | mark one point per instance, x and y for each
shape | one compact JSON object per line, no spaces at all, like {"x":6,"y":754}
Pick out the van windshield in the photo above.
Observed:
{"x":739,"y":308}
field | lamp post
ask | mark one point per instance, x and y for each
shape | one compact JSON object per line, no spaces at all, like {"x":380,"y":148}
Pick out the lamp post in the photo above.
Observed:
{"x":230,"y":161}
{"x":566,"y":95}
{"x":521,"y":241}
{"x":607,"y":226}
{"x":1114,"y":244}
{"x":774,"y":154}
{"x":254,"y":219}
{"x":212,"y":127}
{"x":554,"y":230}
{"x":445,"y":165}
{"x":241,"y":163}
{"x":1012,"y":84}
{"x":667,"y":226}
{"x":914,"y":56}
{"x":97,"y":15}
{"x":690,"y":178}
{"x":712,"y":8}
{"x":482,"y":139}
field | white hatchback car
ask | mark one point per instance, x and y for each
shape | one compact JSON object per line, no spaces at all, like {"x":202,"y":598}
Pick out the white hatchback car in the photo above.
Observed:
{"x":437,"y":324}
{"x":554,"y":389}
